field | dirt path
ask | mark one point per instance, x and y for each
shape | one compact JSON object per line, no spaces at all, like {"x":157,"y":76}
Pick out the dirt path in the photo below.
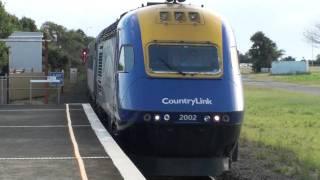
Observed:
{"x":282,"y":85}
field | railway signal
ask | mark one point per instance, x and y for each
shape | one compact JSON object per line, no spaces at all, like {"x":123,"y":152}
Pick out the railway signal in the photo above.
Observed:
{"x":84,"y":55}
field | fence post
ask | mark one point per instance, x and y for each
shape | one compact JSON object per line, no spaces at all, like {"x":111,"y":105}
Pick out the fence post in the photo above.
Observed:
{"x":59,"y":92}
{"x":2,"y":91}
{"x":7,"y":89}
{"x":2,"y":96}
{"x":30,"y":92}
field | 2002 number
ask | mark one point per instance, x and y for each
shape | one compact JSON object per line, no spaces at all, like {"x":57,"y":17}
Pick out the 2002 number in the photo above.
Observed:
{"x":187,"y":117}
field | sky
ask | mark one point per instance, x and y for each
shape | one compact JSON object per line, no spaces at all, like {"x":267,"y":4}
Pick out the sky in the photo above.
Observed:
{"x":283,"y":21}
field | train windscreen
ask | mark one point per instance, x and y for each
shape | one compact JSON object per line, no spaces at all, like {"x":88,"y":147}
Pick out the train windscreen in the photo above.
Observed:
{"x":183,"y":58}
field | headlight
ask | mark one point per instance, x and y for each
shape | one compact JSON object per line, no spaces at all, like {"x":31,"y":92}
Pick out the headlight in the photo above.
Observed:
{"x":216,"y":118}
{"x":194,"y":17}
{"x":226,"y":118}
{"x":179,"y":16}
{"x":147,"y":117}
{"x":166,"y":117}
{"x":207,"y":118}
{"x":157,"y":117}
{"x":164,"y":16}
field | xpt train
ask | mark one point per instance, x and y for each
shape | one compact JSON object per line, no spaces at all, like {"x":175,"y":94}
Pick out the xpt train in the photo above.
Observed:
{"x":166,"y":78}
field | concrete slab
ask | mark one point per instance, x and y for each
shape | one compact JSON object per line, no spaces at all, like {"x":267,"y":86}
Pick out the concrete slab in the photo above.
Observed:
{"x":35,"y":144}
{"x":79,"y":118}
{"x":39,"y":169}
{"x":32,"y":118}
{"x":98,"y":169}
{"x":34,"y":107}
{"x":88,"y":143}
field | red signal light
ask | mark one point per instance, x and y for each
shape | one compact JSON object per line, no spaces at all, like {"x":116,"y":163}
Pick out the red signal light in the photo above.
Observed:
{"x":84,"y":55}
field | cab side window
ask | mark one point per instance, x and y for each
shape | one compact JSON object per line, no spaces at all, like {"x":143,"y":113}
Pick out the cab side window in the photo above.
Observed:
{"x":126,"y":59}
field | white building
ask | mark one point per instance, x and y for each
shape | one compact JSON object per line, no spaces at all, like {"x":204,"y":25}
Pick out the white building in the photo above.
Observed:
{"x":290,"y":67}
{"x":25,"y":51}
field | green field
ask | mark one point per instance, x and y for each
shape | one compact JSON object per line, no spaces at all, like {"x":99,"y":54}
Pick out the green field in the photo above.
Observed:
{"x":285,"y":128}
{"x":312,"y":79}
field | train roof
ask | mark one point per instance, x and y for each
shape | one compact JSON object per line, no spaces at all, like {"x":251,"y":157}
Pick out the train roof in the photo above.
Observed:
{"x":154,"y":8}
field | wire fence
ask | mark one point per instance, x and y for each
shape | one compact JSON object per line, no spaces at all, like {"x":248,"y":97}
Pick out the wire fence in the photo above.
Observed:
{"x":20,"y":90}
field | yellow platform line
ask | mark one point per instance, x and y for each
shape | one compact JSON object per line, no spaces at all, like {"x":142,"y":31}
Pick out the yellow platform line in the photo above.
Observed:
{"x":82,"y":168}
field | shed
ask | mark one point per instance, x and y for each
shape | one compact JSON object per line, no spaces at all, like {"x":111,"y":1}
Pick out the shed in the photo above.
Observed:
{"x":290,"y":67}
{"x":25,"y":51}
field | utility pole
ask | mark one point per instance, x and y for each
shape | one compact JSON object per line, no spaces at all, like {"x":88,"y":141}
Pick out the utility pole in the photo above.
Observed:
{"x":312,"y":53}
{"x":46,"y":56}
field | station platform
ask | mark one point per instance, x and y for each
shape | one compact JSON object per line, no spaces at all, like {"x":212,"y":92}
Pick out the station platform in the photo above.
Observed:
{"x":59,"y":142}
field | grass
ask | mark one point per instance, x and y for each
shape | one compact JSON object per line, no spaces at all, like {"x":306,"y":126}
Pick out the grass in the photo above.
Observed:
{"x":287,"y":126}
{"x":312,"y":79}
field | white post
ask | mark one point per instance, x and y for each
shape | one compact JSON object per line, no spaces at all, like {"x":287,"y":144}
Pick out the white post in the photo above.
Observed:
{"x":30,"y":91}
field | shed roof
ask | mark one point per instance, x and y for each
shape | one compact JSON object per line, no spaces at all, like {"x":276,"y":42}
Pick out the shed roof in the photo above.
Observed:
{"x":26,"y":35}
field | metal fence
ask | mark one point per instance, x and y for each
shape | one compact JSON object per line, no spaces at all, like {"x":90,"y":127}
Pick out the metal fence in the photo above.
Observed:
{"x":3,"y":90}
{"x":17,"y":90}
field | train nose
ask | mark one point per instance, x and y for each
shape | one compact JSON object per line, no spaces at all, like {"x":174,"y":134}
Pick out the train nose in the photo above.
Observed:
{"x":177,"y":95}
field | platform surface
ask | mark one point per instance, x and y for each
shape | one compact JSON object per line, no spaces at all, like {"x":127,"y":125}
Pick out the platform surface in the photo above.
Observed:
{"x":36,"y":144}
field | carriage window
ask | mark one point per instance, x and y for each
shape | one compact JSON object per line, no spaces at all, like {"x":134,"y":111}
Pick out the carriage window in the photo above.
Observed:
{"x":184,"y":58}
{"x":126,"y":59}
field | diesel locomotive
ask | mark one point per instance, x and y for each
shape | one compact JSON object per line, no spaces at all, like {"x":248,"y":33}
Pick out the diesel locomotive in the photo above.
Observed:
{"x":166,"y":77}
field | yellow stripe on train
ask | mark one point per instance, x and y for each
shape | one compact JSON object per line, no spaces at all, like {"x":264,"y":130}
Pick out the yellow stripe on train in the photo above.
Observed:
{"x":207,"y":30}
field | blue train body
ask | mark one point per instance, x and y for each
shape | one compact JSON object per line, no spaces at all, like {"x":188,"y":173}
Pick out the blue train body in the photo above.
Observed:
{"x":182,"y":117}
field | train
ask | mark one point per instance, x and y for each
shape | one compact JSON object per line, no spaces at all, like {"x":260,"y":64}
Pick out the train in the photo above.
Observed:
{"x":165,"y":78}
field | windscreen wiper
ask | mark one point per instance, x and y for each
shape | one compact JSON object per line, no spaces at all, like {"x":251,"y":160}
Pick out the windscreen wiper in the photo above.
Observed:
{"x":172,"y":68}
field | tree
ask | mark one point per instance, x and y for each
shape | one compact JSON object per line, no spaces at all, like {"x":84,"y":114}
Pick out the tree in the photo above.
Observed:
{"x":5,"y":30}
{"x":313,"y":35}
{"x":244,"y":58}
{"x":3,"y":57}
{"x":67,"y":48}
{"x":263,"y":51}
{"x":4,"y":21}
{"x":288,"y":58}
{"x":57,"y":59}
{"x":28,"y":25}
{"x":8,"y":24}
{"x":317,"y":60}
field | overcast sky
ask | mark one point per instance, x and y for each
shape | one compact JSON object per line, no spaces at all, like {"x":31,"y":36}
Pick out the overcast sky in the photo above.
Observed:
{"x":284,"y":21}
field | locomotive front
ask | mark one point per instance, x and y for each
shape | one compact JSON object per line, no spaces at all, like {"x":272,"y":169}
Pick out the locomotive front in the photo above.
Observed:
{"x":180,"y":97}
